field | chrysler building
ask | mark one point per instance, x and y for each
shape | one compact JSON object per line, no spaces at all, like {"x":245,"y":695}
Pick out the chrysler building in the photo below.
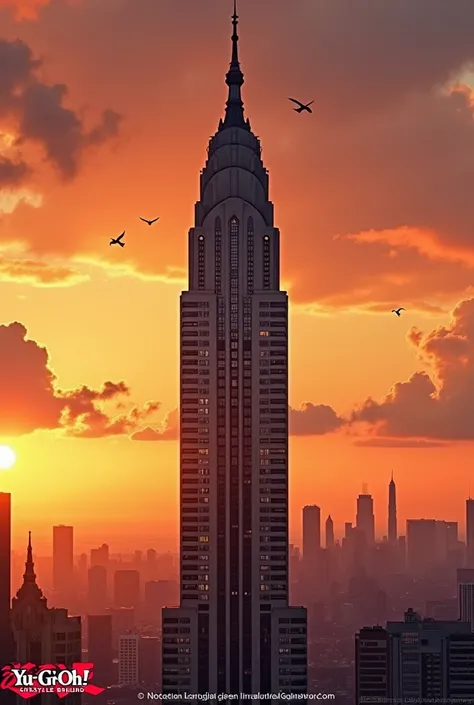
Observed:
{"x":234,"y":631}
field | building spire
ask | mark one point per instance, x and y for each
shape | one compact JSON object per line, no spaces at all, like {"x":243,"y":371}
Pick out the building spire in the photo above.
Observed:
{"x":29,"y":575}
{"x":234,"y":112}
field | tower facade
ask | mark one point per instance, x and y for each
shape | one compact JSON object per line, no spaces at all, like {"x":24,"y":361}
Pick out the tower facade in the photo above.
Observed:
{"x":234,"y":434}
{"x":365,"y":520}
{"x":311,"y":532}
{"x":7,"y":646}
{"x":63,"y":564}
{"x":329,"y":532}
{"x":470,"y":533}
{"x":392,"y":511}
{"x":43,"y":635}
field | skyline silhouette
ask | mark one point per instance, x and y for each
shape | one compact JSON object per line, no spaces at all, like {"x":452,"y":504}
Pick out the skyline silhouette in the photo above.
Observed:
{"x":369,"y":219}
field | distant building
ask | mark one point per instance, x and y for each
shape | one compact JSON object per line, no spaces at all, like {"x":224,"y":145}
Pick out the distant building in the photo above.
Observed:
{"x":126,"y":588}
{"x":63,"y":565}
{"x":6,"y":638}
{"x":100,"y":647}
{"x":123,"y":621}
{"x":429,"y":542}
{"x":128,"y":659}
{"x":100,"y":556}
{"x":465,"y":583}
{"x":329,"y":532}
{"x":159,"y":594}
{"x":470,"y":533}
{"x":44,"y":635}
{"x":365,"y":520}
{"x":392,"y":511}
{"x":96,"y":589}
{"x":311,"y":533}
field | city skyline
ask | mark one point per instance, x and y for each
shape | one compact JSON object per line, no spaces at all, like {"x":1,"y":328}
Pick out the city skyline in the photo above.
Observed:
{"x":344,"y":273}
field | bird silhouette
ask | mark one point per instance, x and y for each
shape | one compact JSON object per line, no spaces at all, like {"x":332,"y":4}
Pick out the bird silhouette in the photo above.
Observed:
{"x":149,"y":222}
{"x":118,"y":240}
{"x":398,"y":311}
{"x":301,"y":106}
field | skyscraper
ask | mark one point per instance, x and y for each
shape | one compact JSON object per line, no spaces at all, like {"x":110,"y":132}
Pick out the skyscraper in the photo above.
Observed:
{"x":329,"y":532}
{"x":234,"y":433}
{"x":43,"y":635}
{"x":470,"y":532}
{"x":99,"y":647}
{"x":365,"y":520}
{"x":311,"y":532}
{"x":392,"y":511}
{"x":7,"y":649}
{"x":465,"y":582}
{"x":63,"y":564}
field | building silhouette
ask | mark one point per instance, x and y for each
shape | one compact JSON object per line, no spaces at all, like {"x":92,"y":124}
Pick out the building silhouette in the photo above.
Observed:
{"x":311,"y":532}
{"x":43,"y":635}
{"x":96,"y":589}
{"x":365,"y":520}
{"x":126,"y":588}
{"x":470,"y":533}
{"x":63,"y":564}
{"x":7,"y":647}
{"x":329,"y":532}
{"x":99,"y":647}
{"x":234,"y":607}
{"x":392,"y":511}
{"x":465,"y":584}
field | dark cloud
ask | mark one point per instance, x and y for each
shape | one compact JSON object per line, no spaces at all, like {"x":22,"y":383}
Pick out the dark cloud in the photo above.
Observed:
{"x":313,"y":420}
{"x":385,"y":149}
{"x":31,"y":400}
{"x":37,"y":272}
{"x":40,"y":112}
{"x":438,"y":405}
{"x":12,"y":173}
{"x":167,"y":432}
{"x":398,"y":443}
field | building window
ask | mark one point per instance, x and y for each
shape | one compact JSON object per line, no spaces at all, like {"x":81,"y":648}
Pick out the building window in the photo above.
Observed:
{"x":266,"y":262}
{"x":250,"y":256}
{"x":218,"y":256}
{"x":201,"y":262}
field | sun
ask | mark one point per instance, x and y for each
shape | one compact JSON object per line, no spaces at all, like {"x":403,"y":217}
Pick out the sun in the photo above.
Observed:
{"x":7,"y":458}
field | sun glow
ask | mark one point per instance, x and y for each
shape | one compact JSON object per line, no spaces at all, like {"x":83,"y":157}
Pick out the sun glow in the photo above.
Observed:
{"x":7,"y":458}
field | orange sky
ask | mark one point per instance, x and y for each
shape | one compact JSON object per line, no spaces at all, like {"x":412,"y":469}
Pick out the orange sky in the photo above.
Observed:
{"x":105,"y":113}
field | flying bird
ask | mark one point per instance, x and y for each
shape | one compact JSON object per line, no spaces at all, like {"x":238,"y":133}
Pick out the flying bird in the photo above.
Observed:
{"x":397,"y":311}
{"x":118,"y":240}
{"x":301,"y":106}
{"x":149,"y":222}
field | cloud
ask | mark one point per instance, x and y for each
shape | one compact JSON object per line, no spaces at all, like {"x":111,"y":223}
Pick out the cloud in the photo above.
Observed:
{"x":398,"y":443}
{"x":438,"y":405}
{"x":12,"y":173}
{"x":38,"y":113}
{"x":313,"y":420}
{"x":386,"y":151}
{"x":31,"y":399}
{"x":38,"y":273}
{"x":167,"y":432}
{"x":24,"y":9}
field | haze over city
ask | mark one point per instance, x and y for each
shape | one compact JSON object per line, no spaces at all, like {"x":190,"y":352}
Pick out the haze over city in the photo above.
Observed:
{"x":372,"y":196}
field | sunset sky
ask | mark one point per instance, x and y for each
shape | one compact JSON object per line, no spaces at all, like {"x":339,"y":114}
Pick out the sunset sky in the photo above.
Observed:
{"x":106,"y":107}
